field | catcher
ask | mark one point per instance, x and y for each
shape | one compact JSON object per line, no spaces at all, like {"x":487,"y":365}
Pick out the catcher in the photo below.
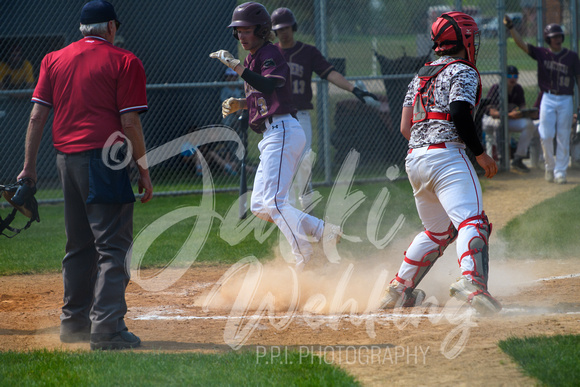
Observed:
{"x":437,"y":121}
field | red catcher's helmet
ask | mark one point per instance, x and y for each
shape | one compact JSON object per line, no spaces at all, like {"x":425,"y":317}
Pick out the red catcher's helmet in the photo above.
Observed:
{"x":456,"y":29}
{"x":283,"y":17}
{"x":552,"y":30}
{"x":252,"y":14}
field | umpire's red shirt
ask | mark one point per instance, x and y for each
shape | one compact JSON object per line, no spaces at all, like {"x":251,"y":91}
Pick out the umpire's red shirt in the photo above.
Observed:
{"x":89,"y":83}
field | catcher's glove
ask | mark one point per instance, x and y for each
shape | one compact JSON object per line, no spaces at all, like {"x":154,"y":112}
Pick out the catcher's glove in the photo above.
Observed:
{"x":226,"y":58}
{"x":21,"y":197}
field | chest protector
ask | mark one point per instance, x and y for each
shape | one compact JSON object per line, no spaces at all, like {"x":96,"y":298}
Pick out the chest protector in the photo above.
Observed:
{"x":425,"y":97}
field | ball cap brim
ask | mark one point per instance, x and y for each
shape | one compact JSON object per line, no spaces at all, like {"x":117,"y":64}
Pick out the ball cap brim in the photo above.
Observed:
{"x":98,"y":11}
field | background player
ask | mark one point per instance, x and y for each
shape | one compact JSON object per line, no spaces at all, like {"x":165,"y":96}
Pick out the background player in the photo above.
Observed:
{"x":269,"y":102}
{"x":516,"y":121}
{"x":437,"y":121}
{"x":558,"y":70}
{"x":305,"y":59}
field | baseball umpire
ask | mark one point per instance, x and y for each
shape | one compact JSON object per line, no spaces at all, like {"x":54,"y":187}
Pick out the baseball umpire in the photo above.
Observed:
{"x":305,"y":59}
{"x":558,"y":71}
{"x":437,"y":121}
{"x":97,"y":91}
{"x":269,"y":102}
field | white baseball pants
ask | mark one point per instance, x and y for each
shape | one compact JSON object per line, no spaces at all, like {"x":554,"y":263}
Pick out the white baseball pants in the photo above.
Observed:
{"x":302,"y":182}
{"x":556,"y":114}
{"x":446,"y":189}
{"x":280,"y":151}
{"x":524,"y":126}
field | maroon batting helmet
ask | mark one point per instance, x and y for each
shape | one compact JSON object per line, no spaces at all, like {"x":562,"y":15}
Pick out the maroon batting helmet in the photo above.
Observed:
{"x":456,"y":30}
{"x":552,"y":30}
{"x":283,"y":17}
{"x":252,"y":14}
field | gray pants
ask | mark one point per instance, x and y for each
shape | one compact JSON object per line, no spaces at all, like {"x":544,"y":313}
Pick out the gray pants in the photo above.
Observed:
{"x":93,"y":269}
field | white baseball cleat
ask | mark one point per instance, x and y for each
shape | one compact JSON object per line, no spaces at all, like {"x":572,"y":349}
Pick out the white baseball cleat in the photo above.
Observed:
{"x":331,"y":236}
{"x":331,"y":233}
{"x":394,"y":298}
{"x":560,"y":180}
{"x":479,"y":298}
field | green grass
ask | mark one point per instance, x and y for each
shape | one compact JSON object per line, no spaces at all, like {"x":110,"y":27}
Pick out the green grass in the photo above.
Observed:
{"x":245,"y":368}
{"x":548,"y":230}
{"x":555,"y":361}
{"x":41,"y":248}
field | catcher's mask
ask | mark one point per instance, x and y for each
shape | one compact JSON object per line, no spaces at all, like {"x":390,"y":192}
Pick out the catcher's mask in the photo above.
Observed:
{"x":21,"y":196}
{"x":456,"y":29}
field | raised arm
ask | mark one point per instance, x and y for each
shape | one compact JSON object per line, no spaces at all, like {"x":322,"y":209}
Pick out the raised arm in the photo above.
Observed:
{"x":507,"y":21}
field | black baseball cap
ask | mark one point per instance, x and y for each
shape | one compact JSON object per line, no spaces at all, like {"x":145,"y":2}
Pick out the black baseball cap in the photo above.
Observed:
{"x":512,"y":70}
{"x":98,"y":11}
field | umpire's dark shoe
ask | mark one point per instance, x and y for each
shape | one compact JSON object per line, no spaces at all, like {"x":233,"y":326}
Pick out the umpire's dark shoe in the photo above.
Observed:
{"x":118,"y":340}
{"x":75,"y":337}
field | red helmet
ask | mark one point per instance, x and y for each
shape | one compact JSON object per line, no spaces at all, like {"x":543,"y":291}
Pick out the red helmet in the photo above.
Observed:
{"x":552,"y":30}
{"x":456,"y":29}
{"x":252,"y":14}
{"x":283,"y":17}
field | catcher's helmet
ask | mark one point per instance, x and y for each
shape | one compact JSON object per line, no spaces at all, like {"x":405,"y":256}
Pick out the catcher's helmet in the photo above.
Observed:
{"x":252,"y":14}
{"x":456,"y":29}
{"x":283,"y":17}
{"x":552,"y":30}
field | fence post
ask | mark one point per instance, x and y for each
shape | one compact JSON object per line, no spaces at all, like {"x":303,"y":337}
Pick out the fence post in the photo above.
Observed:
{"x":504,"y":139}
{"x":322,"y":94}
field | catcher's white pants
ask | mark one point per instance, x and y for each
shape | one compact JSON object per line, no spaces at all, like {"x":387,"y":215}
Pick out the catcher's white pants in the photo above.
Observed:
{"x":524,"y":126}
{"x":280,"y":151}
{"x":446,"y":189}
{"x":556,"y":115}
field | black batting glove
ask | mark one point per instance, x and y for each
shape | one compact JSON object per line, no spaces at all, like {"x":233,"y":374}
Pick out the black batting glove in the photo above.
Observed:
{"x":361,"y":94}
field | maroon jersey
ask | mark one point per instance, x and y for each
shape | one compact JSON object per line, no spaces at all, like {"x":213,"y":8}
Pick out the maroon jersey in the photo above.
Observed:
{"x":304,"y":59}
{"x":516,"y":98}
{"x":556,"y":72}
{"x":269,"y":62}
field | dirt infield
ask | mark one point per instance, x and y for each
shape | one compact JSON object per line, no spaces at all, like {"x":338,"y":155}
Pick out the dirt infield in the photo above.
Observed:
{"x":335,"y":315}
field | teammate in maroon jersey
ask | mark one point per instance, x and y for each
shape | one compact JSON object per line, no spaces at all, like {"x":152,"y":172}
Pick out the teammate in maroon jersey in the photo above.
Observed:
{"x":558,"y":71}
{"x":305,"y":59}
{"x":269,"y":103}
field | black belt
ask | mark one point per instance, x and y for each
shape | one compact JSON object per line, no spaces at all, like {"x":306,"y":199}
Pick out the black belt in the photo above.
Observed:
{"x":270,"y":119}
{"x":555,"y":92}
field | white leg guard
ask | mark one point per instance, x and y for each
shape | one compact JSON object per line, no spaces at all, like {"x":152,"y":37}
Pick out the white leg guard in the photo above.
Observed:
{"x":420,"y":267}
{"x":473,"y":248}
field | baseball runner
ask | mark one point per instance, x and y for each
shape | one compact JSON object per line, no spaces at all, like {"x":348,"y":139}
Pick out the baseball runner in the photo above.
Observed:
{"x":269,"y":102}
{"x":303,"y":60}
{"x":558,"y":70}
{"x":438,"y":123}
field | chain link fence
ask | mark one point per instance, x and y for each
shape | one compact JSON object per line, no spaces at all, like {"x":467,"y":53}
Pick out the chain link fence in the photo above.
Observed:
{"x":378,"y":44}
